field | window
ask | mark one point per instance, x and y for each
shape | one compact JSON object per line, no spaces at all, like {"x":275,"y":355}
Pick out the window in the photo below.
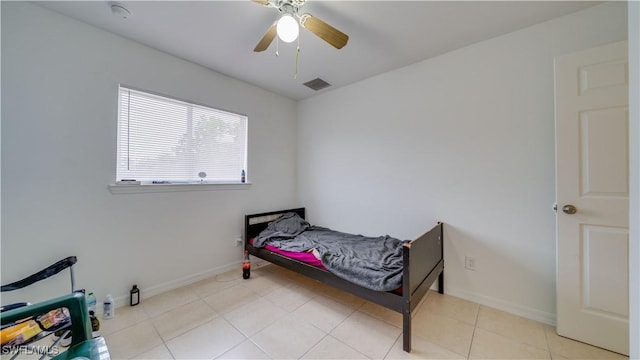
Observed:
{"x":168,"y":141}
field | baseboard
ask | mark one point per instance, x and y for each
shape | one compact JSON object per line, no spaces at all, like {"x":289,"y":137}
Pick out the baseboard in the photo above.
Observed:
{"x":177,"y":283}
{"x":526,"y":312}
{"x":515,"y":309}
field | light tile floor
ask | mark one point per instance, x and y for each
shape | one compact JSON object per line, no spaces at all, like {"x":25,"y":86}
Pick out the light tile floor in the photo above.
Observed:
{"x":278,"y":314}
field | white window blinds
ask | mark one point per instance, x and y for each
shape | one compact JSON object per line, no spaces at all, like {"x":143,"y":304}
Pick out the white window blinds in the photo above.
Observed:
{"x":168,"y":140}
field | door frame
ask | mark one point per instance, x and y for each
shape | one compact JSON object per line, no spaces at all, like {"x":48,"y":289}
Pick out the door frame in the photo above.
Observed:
{"x":634,"y":181}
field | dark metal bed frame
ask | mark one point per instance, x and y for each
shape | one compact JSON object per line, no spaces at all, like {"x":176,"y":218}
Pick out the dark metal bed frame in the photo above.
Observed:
{"x":423,"y":263}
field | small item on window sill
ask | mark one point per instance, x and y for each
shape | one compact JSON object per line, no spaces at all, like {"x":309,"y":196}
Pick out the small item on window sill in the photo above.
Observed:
{"x":243,"y":176}
{"x":156,"y":182}
{"x":134,"y":296}
{"x":127,"y":182}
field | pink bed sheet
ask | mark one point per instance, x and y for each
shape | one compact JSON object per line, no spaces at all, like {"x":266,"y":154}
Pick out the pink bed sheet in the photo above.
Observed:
{"x":305,"y":257}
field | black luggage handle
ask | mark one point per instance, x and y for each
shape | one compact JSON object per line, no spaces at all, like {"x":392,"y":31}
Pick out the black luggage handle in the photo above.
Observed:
{"x":43,"y":274}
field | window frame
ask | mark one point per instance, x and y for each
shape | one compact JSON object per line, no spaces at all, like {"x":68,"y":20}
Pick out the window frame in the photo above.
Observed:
{"x":120,"y":187}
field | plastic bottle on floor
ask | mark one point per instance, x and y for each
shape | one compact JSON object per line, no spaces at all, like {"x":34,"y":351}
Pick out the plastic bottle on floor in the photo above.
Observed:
{"x":91,"y":302}
{"x":108,"y":308}
{"x":246,"y":266}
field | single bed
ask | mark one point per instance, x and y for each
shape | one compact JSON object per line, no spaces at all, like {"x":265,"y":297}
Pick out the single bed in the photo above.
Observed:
{"x":422,"y":264}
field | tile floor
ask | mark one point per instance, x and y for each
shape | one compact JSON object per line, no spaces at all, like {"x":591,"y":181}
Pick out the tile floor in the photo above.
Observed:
{"x":278,"y":314}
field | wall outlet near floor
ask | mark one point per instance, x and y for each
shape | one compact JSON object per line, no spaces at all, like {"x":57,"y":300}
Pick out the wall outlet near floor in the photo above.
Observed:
{"x":469,"y":263}
{"x":238,"y":240}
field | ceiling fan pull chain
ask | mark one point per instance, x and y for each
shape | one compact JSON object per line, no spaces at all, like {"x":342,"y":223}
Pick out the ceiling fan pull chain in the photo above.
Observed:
{"x":295,"y":74}
{"x":277,"y":47}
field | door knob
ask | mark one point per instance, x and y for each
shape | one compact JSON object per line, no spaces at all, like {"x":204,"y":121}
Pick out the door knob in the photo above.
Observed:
{"x":569,"y":209}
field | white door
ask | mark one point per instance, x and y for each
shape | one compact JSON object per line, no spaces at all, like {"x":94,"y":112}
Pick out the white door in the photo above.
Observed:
{"x":592,"y":188}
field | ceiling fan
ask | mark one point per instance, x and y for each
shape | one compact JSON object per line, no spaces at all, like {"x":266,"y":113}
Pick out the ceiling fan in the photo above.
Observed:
{"x":286,"y":27}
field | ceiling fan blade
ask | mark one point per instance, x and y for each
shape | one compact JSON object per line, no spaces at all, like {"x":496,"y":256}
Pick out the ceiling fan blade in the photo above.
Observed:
{"x":326,"y":32}
{"x":266,"y":39}
{"x":262,"y":2}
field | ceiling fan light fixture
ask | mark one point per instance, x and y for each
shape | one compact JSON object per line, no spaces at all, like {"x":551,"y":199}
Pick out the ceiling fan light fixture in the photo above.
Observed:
{"x":287,"y":28}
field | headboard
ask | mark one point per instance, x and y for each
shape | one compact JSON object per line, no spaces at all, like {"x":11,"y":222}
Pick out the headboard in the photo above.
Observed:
{"x":255,"y":223}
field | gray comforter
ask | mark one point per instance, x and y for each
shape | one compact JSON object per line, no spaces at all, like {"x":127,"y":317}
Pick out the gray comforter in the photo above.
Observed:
{"x":371,"y":262}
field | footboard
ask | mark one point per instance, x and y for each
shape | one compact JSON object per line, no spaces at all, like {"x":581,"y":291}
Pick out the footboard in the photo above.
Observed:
{"x":420,"y":258}
{"x":423,"y":262}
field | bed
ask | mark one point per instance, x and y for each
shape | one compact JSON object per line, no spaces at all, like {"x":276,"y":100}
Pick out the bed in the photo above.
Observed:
{"x":422,"y":265}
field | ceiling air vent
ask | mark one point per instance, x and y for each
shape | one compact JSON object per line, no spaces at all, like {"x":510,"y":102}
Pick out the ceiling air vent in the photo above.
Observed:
{"x":316,"y":84}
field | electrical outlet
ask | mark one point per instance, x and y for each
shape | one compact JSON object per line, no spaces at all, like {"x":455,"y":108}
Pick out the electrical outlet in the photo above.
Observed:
{"x":469,"y":263}
{"x":238,"y":240}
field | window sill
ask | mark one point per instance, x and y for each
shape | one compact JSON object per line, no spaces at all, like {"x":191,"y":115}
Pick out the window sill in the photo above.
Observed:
{"x":161,"y":188}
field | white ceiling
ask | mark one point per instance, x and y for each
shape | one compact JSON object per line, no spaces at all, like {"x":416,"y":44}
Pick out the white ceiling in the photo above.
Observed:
{"x":384,"y":35}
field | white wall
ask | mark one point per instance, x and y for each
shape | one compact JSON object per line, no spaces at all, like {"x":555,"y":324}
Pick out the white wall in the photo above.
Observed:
{"x":59,"y":98}
{"x":634,"y":214}
{"x":466,"y":138}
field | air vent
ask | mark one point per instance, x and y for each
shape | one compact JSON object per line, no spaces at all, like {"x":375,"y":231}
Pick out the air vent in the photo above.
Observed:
{"x":316,"y":84}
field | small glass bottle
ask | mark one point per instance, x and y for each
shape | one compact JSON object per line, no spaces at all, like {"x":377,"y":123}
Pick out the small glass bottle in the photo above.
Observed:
{"x":95,"y":324}
{"x":243,"y":176}
{"x":134,"y":296}
{"x":246,"y":266}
